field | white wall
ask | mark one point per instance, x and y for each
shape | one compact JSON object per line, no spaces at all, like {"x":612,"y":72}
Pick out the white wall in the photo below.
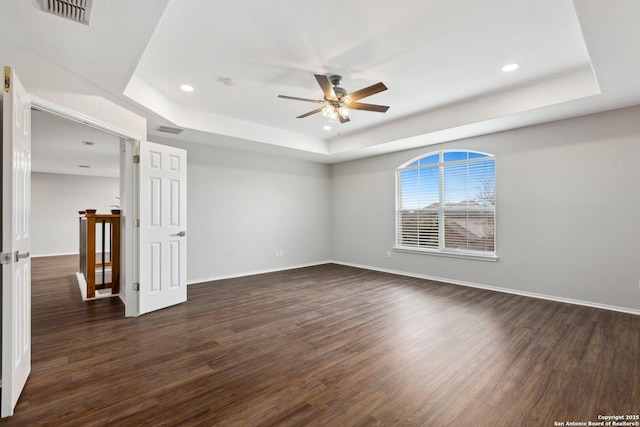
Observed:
{"x":242,"y":207}
{"x":568,"y":211}
{"x":70,"y":91}
{"x":55,"y":202}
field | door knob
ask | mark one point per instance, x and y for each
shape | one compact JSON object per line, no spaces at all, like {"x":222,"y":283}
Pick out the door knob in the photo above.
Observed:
{"x":182,"y":233}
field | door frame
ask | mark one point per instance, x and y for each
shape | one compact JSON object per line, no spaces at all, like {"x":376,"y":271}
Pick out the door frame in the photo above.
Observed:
{"x":129,"y":209}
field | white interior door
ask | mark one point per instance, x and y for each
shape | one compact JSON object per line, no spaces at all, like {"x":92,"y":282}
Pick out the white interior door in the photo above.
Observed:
{"x":163,"y":226}
{"x":16,"y":241}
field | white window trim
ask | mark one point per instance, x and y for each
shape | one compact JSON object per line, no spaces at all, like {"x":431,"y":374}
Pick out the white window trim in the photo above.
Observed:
{"x":441,"y":250}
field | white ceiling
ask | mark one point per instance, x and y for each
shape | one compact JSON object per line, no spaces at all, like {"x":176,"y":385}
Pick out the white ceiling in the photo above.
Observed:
{"x":63,"y":146}
{"x":441,"y":62}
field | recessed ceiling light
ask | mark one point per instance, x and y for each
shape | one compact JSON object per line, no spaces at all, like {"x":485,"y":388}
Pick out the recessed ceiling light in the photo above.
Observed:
{"x":510,"y":67}
{"x":88,"y":142}
{"x":326,"y":127}
{"x":187,"y":88}
{"x":84,"y":166}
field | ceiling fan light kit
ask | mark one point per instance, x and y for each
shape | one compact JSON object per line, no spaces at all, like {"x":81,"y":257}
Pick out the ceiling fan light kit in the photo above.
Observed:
{"x":337,"y":102}
{"x":332,"y":113}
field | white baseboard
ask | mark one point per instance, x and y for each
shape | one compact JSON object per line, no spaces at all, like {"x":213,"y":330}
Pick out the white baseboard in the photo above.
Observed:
{"x":497,"y":289}
{"x":253,"y":273}
{"x":60,"y":254}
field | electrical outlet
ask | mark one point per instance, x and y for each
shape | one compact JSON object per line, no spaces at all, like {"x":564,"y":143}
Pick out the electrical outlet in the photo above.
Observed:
{"x":388,"y":254}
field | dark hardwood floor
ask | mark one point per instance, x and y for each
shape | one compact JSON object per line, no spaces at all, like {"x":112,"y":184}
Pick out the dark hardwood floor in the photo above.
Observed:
{"x":330,"y":346}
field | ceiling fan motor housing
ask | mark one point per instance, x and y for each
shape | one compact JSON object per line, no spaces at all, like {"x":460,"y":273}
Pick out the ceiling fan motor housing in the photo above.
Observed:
{"x":335,"y":81}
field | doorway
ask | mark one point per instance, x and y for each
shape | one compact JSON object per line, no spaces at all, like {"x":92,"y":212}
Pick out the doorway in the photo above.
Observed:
{"x":74,"y":167}
{"x":162,"y":202}
{"x":116,"y":149}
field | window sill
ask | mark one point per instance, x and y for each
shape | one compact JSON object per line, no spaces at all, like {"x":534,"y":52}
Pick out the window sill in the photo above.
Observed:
{"x":476,"y":257}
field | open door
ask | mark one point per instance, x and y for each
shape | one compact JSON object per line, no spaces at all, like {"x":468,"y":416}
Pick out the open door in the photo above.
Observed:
{"x":16,"y":241}
{"x":163,"y":226}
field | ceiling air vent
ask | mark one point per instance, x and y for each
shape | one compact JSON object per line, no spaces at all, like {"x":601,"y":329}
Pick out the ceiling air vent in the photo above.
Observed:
{"x":74,"y":10}
{"x":167,"y":129}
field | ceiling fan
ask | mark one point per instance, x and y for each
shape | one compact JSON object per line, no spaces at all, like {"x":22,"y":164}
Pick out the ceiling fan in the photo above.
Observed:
{"x":337,"y":102}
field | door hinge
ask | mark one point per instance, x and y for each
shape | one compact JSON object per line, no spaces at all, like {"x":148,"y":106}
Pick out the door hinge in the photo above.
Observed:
{"x":7,"y":79}
{"x":136,"y":223}
{"x":136,"y":159}
{"x":6,"y":258}
{"x":136,"y":286}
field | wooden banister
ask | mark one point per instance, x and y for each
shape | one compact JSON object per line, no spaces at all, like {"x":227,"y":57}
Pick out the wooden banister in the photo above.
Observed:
{"x":89,"y":219}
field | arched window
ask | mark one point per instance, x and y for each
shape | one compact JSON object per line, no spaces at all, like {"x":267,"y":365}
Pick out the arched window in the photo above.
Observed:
{"x":446,"y":203}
